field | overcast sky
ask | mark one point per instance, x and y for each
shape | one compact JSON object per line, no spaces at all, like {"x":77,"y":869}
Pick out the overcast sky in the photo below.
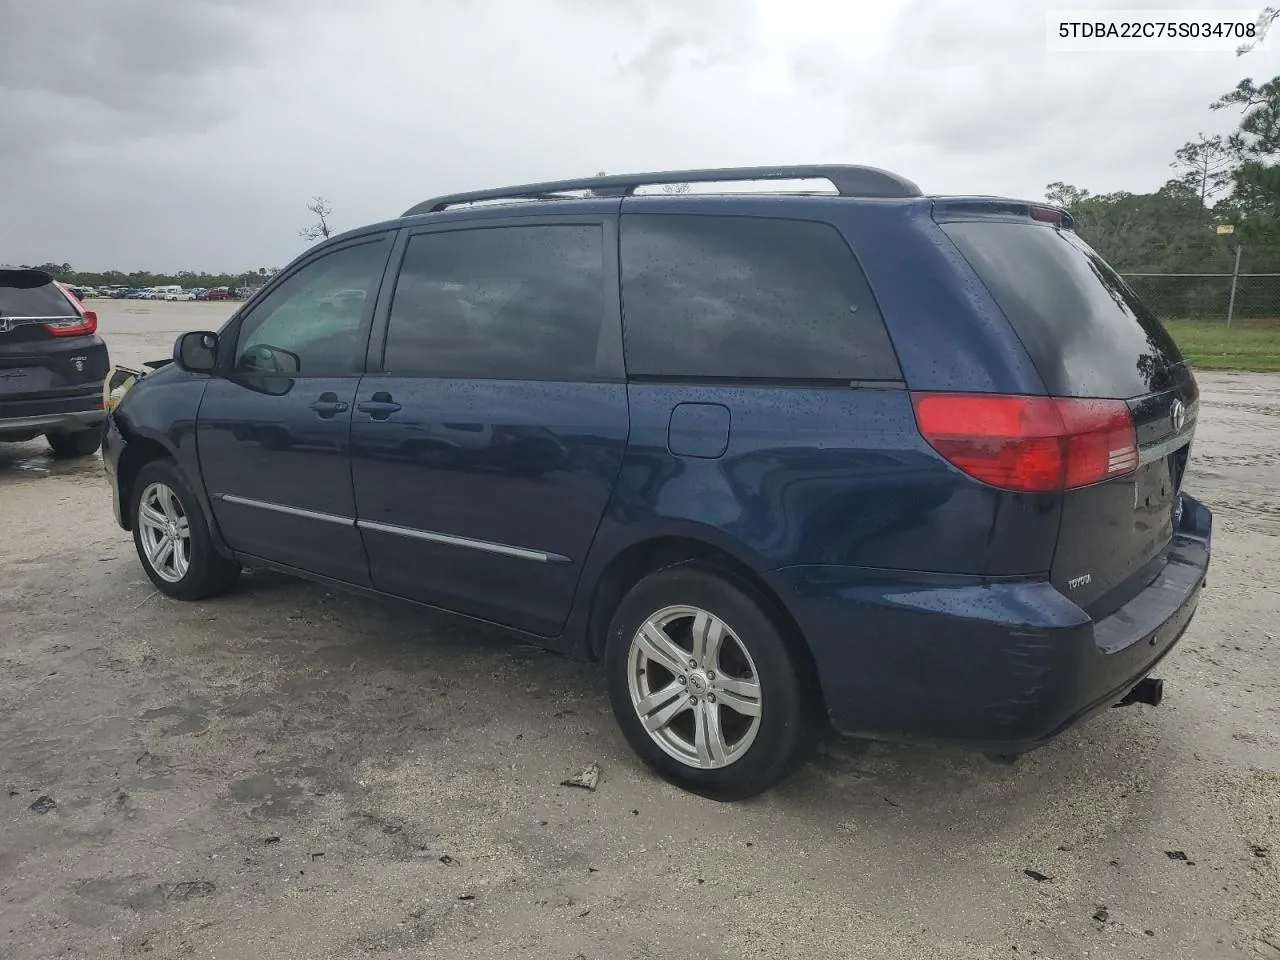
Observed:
{"x":165,"y":135}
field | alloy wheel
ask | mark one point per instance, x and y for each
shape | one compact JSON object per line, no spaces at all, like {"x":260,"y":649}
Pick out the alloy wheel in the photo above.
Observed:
{"x":166,"y":532}
{"x":694,"y":687}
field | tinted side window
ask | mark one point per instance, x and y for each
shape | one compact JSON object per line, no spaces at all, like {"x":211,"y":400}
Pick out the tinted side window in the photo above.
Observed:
{"x":745,"y":297}
{"x":1085,"y":330}
{"x":317,"y":313}
{"x":499,"y":303}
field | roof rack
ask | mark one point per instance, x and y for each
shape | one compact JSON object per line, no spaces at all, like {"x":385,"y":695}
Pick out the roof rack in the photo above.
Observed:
{"x":849,"y":181}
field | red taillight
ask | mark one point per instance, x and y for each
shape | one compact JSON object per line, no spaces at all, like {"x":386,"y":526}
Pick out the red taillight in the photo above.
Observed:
{"x":1030,"y":443}
{"x":80,"y":326}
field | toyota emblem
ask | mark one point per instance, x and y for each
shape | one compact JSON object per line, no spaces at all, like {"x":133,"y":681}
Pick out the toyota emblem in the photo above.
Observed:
{"x":1178,"y":415}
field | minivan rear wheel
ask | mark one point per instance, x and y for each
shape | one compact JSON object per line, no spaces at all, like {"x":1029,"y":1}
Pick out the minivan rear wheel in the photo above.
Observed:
{"x":704,"y":685}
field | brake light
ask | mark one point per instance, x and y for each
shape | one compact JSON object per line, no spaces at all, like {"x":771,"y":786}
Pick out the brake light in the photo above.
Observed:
{"x":1030,"y":443}
{"x":80,"y":326}
{"x":1047,"y":215}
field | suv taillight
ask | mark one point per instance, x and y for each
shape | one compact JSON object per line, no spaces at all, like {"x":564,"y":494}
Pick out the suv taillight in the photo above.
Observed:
{"x":1030,"y":443}
{"x":83,"y":325}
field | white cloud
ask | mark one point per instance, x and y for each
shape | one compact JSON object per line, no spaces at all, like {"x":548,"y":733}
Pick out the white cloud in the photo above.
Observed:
{"x":151,"y":133}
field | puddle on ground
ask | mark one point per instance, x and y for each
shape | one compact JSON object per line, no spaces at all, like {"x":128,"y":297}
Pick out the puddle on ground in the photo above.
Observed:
{"x":33,"y":458}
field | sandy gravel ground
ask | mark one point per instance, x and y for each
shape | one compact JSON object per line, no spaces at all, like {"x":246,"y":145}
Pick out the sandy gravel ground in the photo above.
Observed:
{"x":291,"y":772}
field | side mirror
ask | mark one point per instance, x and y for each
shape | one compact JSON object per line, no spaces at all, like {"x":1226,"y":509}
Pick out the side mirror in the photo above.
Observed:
{"x":197,"y":352}
{"x":264,"y":360}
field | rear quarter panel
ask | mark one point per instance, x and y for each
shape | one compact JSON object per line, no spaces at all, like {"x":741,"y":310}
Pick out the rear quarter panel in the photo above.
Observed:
{"x":829,"y":475}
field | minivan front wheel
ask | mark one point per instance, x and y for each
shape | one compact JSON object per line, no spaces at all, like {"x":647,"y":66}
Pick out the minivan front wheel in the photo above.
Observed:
{"x":172,"y":536}
{"x":704,"y":685}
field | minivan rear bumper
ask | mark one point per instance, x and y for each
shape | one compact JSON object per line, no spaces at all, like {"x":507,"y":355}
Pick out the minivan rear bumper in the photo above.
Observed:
{"x":1000,"y":665}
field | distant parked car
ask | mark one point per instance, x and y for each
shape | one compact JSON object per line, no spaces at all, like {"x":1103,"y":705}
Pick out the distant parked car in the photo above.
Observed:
{"x":52,"y":364}
{"x":216,"y":293}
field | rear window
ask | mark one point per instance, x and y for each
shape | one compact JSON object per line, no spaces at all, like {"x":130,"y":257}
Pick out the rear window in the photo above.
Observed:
{"x":747,"y":298}
{"x":26,"y":295}
{"x":1086,"y":331}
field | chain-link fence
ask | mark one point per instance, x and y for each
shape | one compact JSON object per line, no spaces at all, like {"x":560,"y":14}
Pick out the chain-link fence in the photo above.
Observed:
{"x":1217,"y":282}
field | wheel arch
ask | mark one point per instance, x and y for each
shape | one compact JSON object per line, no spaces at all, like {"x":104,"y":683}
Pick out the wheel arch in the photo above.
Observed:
{"x":638,"y":560}
{"x":139,"y":451}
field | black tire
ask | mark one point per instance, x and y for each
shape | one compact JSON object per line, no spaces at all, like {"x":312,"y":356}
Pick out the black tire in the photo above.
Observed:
{"x":207,"y":572}
{"x":776,"y":745}
{"x":74,"y":443}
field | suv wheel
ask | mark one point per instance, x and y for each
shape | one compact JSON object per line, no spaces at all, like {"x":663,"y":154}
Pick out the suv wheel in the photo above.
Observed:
{"x":74,"y":443}
{"x":172,"y":536}
{"x":703,"y":684}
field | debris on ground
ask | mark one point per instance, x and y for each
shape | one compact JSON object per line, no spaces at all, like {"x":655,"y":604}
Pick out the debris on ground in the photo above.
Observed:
{"x":586,"y":779}
{"x":1101,"y":915}
{"x":448,"y":861}
{"x":270,"y":840}
{"x":1259,"y":851}
{"x":467,"y":896}
{"x":1037,"y":876}
{"x":1179,"y":855}
{"x":43,"y":804}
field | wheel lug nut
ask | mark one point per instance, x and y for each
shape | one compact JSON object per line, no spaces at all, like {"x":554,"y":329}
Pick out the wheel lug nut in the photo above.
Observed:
{"x":711,"y":674}
{"x":711,"y":697}
{"x":693,"y":664}
{"x":693,"y":699}
{"x":684,"y":679}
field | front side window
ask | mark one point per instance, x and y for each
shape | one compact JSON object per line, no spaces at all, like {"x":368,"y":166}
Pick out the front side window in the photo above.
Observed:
{"x":499,"y":303}
{"x":314,"y":323}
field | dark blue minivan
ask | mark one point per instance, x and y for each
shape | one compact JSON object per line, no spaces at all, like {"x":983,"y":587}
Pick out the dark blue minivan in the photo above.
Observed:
{"x":907,"y":465}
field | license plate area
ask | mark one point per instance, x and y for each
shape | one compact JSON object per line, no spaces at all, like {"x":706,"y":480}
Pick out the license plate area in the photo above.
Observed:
{"x":15,"y":380}
{"x":1155,"y":487}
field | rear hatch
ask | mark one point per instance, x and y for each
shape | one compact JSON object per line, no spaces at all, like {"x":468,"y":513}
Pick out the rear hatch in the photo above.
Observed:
{"x":1090,"y":336}
{"x":47,"y":341}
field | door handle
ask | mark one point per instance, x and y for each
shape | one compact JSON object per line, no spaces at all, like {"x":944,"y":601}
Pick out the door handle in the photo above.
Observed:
{"x":328,"y":405}
{"x":379,"y":406}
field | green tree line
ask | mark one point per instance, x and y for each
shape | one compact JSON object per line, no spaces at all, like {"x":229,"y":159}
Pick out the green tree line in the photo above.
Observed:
{"x":1228,"y":181}
{"x":145,"y":278}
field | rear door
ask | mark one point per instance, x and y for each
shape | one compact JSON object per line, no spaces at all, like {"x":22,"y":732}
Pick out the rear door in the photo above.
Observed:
{"x":47,"y":344}
{"x":1090,"y":336}
{"x":485,"y":450}
{"x":274,"y":432}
